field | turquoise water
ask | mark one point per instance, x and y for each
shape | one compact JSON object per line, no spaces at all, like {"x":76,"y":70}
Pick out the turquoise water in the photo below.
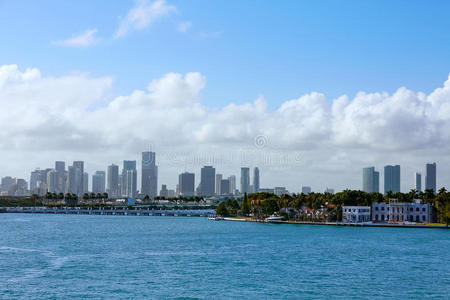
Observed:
{"x":115,"y":257}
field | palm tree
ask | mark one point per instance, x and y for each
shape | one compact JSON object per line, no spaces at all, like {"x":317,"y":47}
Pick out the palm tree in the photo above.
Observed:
{"x":105,"y":196}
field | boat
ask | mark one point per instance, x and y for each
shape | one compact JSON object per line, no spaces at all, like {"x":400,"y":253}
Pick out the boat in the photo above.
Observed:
{"x":274,"y":219}
{"x":215,"y":218}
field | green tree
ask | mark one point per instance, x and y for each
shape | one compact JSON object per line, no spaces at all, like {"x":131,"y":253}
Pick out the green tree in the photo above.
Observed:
{"x":269,"y":206}
{"x":222,"y":210}
{"x":245,"y":206}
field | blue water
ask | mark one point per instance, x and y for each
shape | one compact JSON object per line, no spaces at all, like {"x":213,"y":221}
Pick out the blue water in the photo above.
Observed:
{"x":120,"y":257}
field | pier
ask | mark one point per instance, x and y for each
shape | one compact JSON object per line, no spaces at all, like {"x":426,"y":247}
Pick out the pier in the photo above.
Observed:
{"x":112,"y":211}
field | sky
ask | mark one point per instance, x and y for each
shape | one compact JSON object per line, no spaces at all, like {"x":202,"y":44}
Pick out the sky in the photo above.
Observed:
{"x":309,"y":91}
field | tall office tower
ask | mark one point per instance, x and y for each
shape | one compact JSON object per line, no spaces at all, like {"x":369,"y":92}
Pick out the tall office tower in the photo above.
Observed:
{"x":60,"y":167}
{"x":149,"y":182}
{"x":430,"y":177}
{"x":256,"y":180}
{"x":225,"y":187}
{"x":207,"y":183}
{"x":98,"y":182}
{"x":74,"y":178}
{"x":306,"y":190}
{"x":21,"y":187}
{"x":129,"y":179}
{"x":112,"y":187}
{"x":392,"y":179}
{"x":218,"y":181}
{"x":7,"y":182}
{"x":164,"y":192}
{"x":245,"y":180}
{"x":418,"y":182}
{"x":52,"y":181}
{"x":85,"y":182}
{"x":186,"y":184}
{"x":37,"y":177}
{"x":371,"y":180}
{"x":232,"y":180}
{"x":80,"y":180}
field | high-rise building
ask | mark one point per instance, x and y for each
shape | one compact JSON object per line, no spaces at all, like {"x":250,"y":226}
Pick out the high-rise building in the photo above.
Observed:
{"x":186,"y":184}
{"x":256,"y":180}
{"x":112,"y":187}
{"x":371,"y":180}
{"x":430,"y":177}
{"x":98,"y":182}
{"x":232,"y":180}
{"x":245,"y":180}
{"x":417,"y":181}
{"x":85,"y":182}
{"x":207,"y":183}
{"x":392,"y":179}
{"x":74,"y":181}
{"x":7,"y":183}
{"x":149,"y":182}
{"x":306,"y":190}
{"x":37,"y":179}
{"x":60,"y":167}
{"x":52,"y":181}
{"x":80,"y":166}
{"x":225,"y":187}
{"x":218,"y":184}
{"x":129,"y":179}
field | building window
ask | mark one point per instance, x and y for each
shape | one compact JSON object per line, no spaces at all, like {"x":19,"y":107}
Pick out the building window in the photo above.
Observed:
{"x":417,"y":219}
{"x":417,"y":209}
{"x":382,"y":208}
{"x":423,"y":218}
{"x":423,"y":209}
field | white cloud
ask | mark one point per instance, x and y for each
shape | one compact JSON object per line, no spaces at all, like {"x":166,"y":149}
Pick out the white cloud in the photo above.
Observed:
{"x":85,"y":39}
{"x":143,"y":14}
{"x":184,"y":27}
{"x":307,"y":141}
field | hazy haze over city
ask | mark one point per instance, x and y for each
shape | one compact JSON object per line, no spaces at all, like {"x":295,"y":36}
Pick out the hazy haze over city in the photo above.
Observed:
{"x":306,"y":97}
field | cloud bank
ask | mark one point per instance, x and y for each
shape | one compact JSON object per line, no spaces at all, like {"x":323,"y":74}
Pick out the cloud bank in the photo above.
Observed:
{"x":85,"y":39}
{"x":306,"y":141}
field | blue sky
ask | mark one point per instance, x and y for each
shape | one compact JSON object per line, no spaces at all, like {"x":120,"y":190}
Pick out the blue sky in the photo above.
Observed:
{"x":200,"y":56}
{"x":281,"y":49}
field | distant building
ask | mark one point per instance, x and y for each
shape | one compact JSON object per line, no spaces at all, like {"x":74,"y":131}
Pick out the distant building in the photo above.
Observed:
{"x":280,"y":190}
{"x":430,"y":177}
{"x":85,"y":182}
{"x":306,"y":190}
{"x":265,"y":190}
{"x":186,"y":184}
{"x":232,"y":180}
{"x":52,"y":181}
{"x":80,"y":180}
{"x":392,"y":179}
{"x":329,"y":191}
{"x":225,"y":187}
{"x":60,"y":167}
{"x":401,"y":212}
{"x":164,"y":193}
{"x":98,"y":182}
{"x":355,"y":214}
{"x":256,"y":180}
{"x":7,"y":182}
{"x":37,"y":178}
{"x":207,"y":183}
{"x":129,"y":179}
{"x":149,"y":184}
{"x":418,"y":182}
{"x":371,"y":180}
{"x":112,"y":186}
{"x":218,"y":183}
{"x":245,"y":180}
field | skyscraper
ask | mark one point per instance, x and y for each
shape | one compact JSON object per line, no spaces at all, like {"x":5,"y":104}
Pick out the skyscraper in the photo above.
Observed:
{"x":80,"y":180}
{"x":371,"y":180}
{"x":392,"y":179}
{"x":218,"y":184}
{"x":149,"y":184}
{"x":112,"y":187}
{"x":129,"y":179}
{"x":52,"y":181}
{"x":98,"y":182}
{"x":430,"y":177}
{"x":418,"y":182}
{"x":225,"y":187}
{"x":207,"y":183}
{"x":245,"y":180}
{"x":256,"y":180}
{"x":186,"y":184}
{"x":60,"y":167}
{"x":232,"y":180}
{"x":85,"y":182}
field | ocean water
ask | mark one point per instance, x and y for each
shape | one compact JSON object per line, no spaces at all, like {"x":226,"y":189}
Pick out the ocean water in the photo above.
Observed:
{"x":124,"y":257}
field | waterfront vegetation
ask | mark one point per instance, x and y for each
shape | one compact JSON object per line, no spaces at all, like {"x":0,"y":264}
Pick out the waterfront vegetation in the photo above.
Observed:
{"x":325,"y":207}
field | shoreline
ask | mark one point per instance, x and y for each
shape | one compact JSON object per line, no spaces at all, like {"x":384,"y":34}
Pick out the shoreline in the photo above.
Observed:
{"x":340,"y":224}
